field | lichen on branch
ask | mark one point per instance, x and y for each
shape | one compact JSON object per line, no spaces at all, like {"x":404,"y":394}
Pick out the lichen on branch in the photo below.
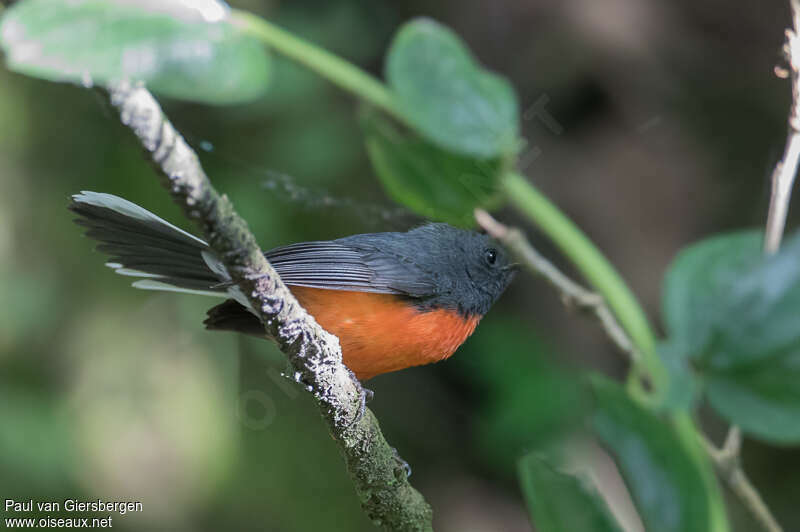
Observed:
{"x":314,"y":354}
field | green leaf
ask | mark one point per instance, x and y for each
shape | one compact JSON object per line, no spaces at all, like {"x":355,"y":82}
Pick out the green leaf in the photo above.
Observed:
{"x":447,"y":96}
{"x":560,"y":502}
{"x":179,"y":50}
{"x":695,"y":282}
{"x":735,"y":313}
{"x":759,"y":313}
{"x":753,"y":366}
{"x":432,"y":182}
{"x":665,"y":481}
{"x":763,"y":400}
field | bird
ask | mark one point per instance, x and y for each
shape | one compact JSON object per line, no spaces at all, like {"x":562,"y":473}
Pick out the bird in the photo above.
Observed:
{"x":394,"y":299}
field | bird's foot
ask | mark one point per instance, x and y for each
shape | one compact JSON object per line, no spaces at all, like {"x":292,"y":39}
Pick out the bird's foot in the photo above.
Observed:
{"x":365,"y":396}
{"x":402,"y":464}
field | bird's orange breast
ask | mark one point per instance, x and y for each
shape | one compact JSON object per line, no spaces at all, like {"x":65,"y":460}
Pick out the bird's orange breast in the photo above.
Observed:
{"x":380,"y":333}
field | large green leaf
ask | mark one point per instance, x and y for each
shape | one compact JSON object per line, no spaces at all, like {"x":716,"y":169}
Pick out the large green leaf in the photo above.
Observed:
{"x":697,"y":279}
{"x":764,"y":400}
{"x":665,"y":481}
{"x":180,"y":49}
{"x":753,"y":366}
{"x":447,"y":96}
{"x":559,"y":502}
{"x":433,"y":182}
{"x":696,"y":282}
{"x":759,"y":316}
{"x":735,"y":313}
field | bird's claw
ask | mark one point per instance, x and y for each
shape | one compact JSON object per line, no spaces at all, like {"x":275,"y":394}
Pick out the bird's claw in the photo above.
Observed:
{"x":402,"y":463}
{"x":366,"y":396}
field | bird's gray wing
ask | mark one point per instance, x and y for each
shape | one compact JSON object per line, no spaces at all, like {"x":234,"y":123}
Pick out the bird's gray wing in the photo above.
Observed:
{"x":347,"y":265}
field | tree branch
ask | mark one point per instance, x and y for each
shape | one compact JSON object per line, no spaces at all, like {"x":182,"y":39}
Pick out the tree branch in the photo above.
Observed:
{"x":378,"y":475}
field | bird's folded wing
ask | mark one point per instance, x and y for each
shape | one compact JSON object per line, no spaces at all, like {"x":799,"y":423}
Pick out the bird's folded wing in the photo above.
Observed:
{"x":336,"y":265}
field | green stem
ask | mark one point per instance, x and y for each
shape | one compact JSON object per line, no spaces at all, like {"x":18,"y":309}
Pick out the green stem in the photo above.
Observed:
{"x":690,"y":438}
{"x":597,"y":270}
{"x":331,"y":67}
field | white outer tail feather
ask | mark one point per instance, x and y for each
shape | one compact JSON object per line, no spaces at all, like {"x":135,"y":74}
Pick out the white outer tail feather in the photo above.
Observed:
{"x":153,"y":284}
{"x":150,"y":281}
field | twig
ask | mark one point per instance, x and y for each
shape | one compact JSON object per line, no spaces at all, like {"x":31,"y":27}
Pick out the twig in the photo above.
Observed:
{"x":785,"y":171}
{"x":733,"y":442}
{"x":727,"y":462}
{"x":571,"y":292}
{"x":314,"y":354}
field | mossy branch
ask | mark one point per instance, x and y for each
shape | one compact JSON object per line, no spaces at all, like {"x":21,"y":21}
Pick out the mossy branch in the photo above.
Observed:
{"x":378,"y":475}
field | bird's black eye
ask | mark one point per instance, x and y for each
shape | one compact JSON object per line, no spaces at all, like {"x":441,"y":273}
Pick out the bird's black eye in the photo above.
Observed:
{"x":491,"y":256}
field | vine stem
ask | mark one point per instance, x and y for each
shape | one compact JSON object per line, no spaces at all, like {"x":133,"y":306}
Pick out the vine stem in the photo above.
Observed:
{"x":331,"y":67}
{"x":569,"y":238}
{"x":597,"y":270}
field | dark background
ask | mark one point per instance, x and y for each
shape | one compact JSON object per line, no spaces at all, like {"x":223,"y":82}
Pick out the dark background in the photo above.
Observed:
{"x":670,"y":121}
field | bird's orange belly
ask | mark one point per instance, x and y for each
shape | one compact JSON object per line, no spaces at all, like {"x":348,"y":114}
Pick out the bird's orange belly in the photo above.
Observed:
{"x":380,"y":333}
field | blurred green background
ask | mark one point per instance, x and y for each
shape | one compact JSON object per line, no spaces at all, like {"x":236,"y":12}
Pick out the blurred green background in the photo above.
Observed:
{"x":669,"y":122}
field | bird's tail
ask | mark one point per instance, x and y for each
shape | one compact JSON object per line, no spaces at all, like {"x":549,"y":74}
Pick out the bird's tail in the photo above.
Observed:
{"x":141,"y":244}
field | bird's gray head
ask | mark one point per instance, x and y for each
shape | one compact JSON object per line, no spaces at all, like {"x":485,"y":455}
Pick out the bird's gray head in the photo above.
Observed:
{"x":472,"y":269}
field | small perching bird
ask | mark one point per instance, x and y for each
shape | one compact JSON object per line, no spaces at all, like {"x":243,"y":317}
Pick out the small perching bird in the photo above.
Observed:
{"x":394,"y":299}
